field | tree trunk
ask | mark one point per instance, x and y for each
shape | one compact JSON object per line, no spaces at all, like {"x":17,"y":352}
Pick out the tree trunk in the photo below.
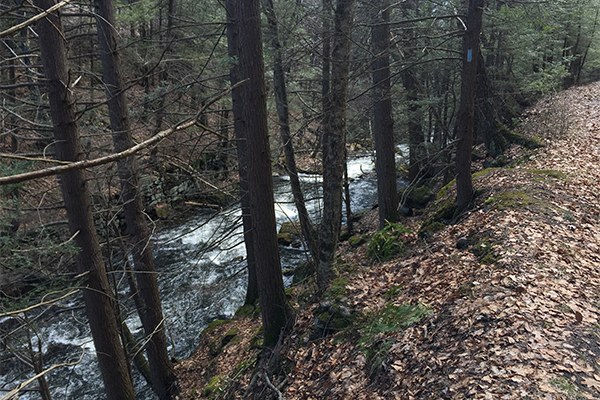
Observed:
{"x":251,"y":115}
{"x":240,"y":129}
{"x":465,"y":123}
{"x":97,"y":295}
{"x":334,"y":142}
{"x":308,"y":230}
{"x":383,"y":122}
{"x":161,"y":369}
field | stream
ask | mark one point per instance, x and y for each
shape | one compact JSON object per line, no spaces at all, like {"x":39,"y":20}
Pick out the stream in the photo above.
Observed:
{"x":201,"y":277}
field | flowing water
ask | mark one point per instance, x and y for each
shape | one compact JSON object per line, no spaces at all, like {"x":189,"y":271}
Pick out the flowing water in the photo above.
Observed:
{"x":201,"y":277}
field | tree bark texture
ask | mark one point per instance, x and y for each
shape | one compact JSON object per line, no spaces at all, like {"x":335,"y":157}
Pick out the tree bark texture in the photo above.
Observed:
{"x":383,"y":122}
{"x":252,"y":117}
{"x":161,"y":370}
{"x":99,"y":300}
{"x":233,"y":35}
{"x":465,"y":122}
{"x":308,"y":230}
{"x":334,"y":142}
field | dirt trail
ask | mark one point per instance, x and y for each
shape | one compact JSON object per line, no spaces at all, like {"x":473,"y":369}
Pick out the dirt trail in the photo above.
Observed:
{"x":514,"y":312}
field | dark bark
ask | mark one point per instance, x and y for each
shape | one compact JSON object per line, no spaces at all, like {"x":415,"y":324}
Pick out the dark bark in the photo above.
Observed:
{"x":251,"y":115}
{"x":383,"y":122}
{"x":161,"y":370}
{"x":97,"y":294}
{"x":334,"y":142}
{"x":416,"y":139}
{"x":240,"y":129}
{"x":465,"y":122}
{"x":487,"y":124}
{"x":308,"y":230}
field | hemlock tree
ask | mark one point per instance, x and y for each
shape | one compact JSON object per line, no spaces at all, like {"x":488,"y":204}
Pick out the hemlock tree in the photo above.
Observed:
{"x":334,"y":141}
{"x":251,"y":116}
{"x":465,"y":123}
{"x":99,"y":300}
{"x":383,"y":122}
{"x":237,"y":97}
{"x":161,"y":369}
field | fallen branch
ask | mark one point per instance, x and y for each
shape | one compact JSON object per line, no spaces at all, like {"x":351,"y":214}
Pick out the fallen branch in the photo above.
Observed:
{"x":116,"y":156}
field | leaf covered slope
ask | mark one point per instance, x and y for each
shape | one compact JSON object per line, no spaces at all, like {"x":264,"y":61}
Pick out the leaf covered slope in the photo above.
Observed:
{"x":511,"y":293}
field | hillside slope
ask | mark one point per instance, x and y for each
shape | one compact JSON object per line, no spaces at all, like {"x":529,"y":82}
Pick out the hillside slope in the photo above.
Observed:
{"x":509,"y":297}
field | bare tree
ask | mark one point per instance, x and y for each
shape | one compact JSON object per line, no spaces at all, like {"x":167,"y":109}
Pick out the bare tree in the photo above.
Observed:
{"x":99,"y":300}
{"x":150,"y":311}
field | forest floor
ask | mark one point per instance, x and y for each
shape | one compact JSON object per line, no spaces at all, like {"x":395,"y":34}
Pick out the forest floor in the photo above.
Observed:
{"x":505,"y":303}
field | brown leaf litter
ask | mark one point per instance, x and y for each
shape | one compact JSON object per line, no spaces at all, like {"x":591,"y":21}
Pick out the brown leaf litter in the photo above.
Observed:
{"x":518,"y":320}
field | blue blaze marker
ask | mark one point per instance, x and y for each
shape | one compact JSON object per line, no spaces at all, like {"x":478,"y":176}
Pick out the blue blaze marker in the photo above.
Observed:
{"x":469,"y":55}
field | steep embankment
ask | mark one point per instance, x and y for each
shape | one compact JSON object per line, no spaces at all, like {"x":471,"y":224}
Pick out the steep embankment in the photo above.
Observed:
{"x":512,"y":294}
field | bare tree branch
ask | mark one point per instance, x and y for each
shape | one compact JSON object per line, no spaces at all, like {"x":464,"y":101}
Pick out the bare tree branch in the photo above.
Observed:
{"x":22,"y":385}
{"x":32,"y":20}
{"x":116,"y":156}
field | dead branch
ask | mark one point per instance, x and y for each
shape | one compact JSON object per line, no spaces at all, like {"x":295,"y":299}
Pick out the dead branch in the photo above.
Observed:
{"x":32,"y":20}
{"x":22,"y":385}
{"x":189,"y":122}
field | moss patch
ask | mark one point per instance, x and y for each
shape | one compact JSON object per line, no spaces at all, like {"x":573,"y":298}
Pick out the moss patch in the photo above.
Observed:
{"x":213,"y":387}
{"x":506,"y":200}
{"x":357,"y":240}
{"x":417,"y":197}
{"x":548,"y":172}
{"x":214,"y":325}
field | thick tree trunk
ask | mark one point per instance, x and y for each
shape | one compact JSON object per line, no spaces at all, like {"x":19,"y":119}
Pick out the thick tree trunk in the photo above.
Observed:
{"x":308,"y":230}
{"x":334,"y":142}
{"x":383,"y":122}
{"x":99,"y":300}
{"x":161,"y":369}
{"x":465,"y":123}
{"x":240,"y":129}
{"x":251,"y":115}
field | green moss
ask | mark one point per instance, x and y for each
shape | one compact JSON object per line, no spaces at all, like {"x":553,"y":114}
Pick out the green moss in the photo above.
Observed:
{"x":444,"y":191}
{"x":244,"y":311}
{"x":242,"y":366}
{"x":338,"y":288}
{"x":212,"y":387}
{"x":257,"y":338}
{"x":506,"y":200}
{"x":548,"y":172}
{"x":357,"y":240}
{"x":417,"y":197}
{"x":429,"y":228}
{"x":214,"y":325}
{"x":489,"y":259}
{"x":518,"y":138}
{"x":285,"y":239}
{"x":235,"y":340}
{"x":293,"y":228}
{"x":483,"y":172}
